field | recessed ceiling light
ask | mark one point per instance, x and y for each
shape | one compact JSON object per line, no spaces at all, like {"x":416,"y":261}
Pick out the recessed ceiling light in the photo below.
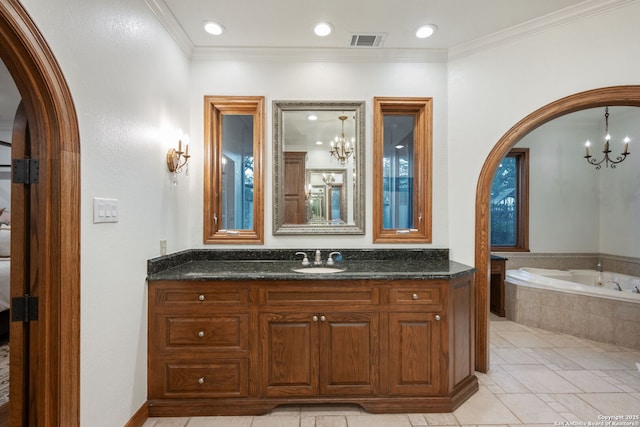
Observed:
{"x":426,"y":31}
{"x":319,"y":143}
{"x":323,"y":29}
{"x":312,"y":117}
{"x":213,"y":28}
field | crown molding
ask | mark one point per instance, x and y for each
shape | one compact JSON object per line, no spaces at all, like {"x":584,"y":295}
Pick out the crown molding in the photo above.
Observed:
{"x":580,"y":11}
{"x":171,"y":25}
{"x":564,"y":16}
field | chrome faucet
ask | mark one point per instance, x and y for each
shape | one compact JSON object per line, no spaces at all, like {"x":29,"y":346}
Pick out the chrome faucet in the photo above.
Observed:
{"x":636,"y":290}
{"x":616,"y":286}
{"x":305,"y":260}
{"x":318,"y":260}
{"x":330,"y":260}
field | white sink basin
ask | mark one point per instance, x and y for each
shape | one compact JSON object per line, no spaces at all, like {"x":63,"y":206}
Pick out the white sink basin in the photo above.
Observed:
{"x":318,"y":270}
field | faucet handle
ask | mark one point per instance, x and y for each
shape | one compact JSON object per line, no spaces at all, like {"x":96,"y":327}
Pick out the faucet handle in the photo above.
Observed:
{"x":330,"y":259}
{"x":305,"y":260}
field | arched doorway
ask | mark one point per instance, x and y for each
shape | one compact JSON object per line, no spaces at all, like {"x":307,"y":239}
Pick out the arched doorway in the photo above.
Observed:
{"x":611,"y":96}
{"x":53,"y":221}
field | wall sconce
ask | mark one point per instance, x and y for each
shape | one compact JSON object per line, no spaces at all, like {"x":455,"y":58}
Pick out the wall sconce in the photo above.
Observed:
{"x":178,"y":159}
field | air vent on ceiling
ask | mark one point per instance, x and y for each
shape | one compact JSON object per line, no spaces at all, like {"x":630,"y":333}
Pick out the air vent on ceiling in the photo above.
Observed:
{"x":367,"y":40}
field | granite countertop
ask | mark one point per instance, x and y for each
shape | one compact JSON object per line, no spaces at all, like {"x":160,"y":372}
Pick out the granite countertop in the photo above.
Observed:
{"x":279,"y":265}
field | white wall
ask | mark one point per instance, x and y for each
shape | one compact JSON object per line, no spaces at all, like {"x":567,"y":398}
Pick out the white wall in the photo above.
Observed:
{"x":563,"y":190}
{"x":620,"y":193}
{"x":573,"y":206}
{"x":289,"y":79}
{"x":492,"y":89}
{"x":129,"y":82}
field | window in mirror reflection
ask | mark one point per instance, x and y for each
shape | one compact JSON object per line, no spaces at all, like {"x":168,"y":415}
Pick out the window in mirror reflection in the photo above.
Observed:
{"x":233,"y":179}
{"x":402,"y":170}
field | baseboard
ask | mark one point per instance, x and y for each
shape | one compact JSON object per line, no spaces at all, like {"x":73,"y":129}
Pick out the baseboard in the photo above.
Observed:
{"x":138,"y":419}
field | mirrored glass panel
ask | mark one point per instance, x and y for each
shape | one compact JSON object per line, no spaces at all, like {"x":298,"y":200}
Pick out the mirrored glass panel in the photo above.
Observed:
{"x":237,"y":172}
{"x":318,"y":167}
{"x":402,"y":170}
{"x":398,"y":172}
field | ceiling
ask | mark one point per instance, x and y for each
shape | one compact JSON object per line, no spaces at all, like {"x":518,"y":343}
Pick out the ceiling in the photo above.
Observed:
{"x":289,"y":23}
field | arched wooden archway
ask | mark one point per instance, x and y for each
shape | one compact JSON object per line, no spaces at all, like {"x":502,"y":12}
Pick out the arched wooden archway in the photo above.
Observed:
{"x":54,"y":221}
{"x":612,"y":96}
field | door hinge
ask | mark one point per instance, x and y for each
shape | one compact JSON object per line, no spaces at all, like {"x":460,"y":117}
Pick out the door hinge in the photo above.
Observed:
{"x":24,"y":308}
{"x":25,"y":171}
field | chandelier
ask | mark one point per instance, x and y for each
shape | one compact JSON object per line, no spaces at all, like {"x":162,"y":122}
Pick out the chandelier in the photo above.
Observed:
{"x":606,"y":151}
{"x":341,"y":147}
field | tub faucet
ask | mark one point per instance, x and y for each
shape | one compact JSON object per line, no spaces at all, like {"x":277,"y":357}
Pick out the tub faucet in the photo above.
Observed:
{"x":616,"y":286}
{"x":599,"y":266}
{"x":318,"y":260}
{"x":636,"y":290}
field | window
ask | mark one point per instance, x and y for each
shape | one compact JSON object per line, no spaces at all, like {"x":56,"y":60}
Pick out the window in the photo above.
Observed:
{"x":510,"y":203}
{"x":402,"y":170}
{"x":233,"y":189}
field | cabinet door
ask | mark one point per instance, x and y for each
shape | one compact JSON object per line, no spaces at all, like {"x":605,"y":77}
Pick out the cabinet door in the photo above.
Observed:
{"x":349,"y":353}
{"x":414,"y":354}
{"x":289,"y":345}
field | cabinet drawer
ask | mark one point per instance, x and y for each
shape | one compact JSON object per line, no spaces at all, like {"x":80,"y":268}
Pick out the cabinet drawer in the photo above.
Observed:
{"x":200,"y":296}
{"x":216,"y":333}
{"x":219,"y":378}
{"x":314,"y":295}
{"x":415,"y":296}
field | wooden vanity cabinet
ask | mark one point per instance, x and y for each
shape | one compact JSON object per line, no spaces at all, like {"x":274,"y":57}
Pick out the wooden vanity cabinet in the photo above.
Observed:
{"x":234,"y":347}
{"x":312,"y":354}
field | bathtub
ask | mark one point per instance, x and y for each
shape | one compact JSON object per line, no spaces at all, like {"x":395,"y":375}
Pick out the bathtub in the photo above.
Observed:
{"x":570,"y":301}
{"x":584,"y":282}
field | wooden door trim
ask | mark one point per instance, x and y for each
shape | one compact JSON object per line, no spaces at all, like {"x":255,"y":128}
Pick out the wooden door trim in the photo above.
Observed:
{"x":54,"y":132}
{"x":608,"y":96}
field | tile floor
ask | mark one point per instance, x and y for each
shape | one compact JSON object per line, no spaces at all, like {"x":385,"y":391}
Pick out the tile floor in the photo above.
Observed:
{"x":537,"y":378}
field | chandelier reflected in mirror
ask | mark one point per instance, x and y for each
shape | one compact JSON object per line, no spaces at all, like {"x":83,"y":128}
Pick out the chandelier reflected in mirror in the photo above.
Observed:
{"x":341,"y":147}
{"x":607,"y":137}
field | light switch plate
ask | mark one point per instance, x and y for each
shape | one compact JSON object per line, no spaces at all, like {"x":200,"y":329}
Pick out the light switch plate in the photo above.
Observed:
{"x":105,"y":210}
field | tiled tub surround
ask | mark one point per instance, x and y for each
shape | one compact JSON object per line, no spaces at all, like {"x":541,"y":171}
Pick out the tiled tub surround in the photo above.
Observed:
{"x":601,"y":317}
{"x":571,"y":261}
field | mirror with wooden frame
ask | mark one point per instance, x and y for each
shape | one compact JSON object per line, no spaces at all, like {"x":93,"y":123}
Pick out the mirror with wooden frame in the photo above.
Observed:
{"x":233,"y":177}
{"x":316,"y":137}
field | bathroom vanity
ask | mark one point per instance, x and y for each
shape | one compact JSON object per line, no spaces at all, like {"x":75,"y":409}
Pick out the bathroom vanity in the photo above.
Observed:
{"x":229,"y":336}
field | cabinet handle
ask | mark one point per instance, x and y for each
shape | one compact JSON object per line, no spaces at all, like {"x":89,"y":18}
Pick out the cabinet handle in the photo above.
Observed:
{"x":437,"y":317}
{"x":414,"y":296}
{"x":201,"y":380}
{"x":201,"y":334}
{"x":201,"y":298}
{"x":322,"y":318}
{"x":315,"y":318}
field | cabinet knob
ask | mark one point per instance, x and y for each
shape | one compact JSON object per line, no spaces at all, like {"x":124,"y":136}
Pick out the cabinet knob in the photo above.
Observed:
{"x":322,"y":318}
{"x":437,"y":317}
{"x":201,"y":298}
{"x":414,"y":296}
{"x":201,"y":380}
{"x":201,"y":334}
{"x":315,"y":318}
